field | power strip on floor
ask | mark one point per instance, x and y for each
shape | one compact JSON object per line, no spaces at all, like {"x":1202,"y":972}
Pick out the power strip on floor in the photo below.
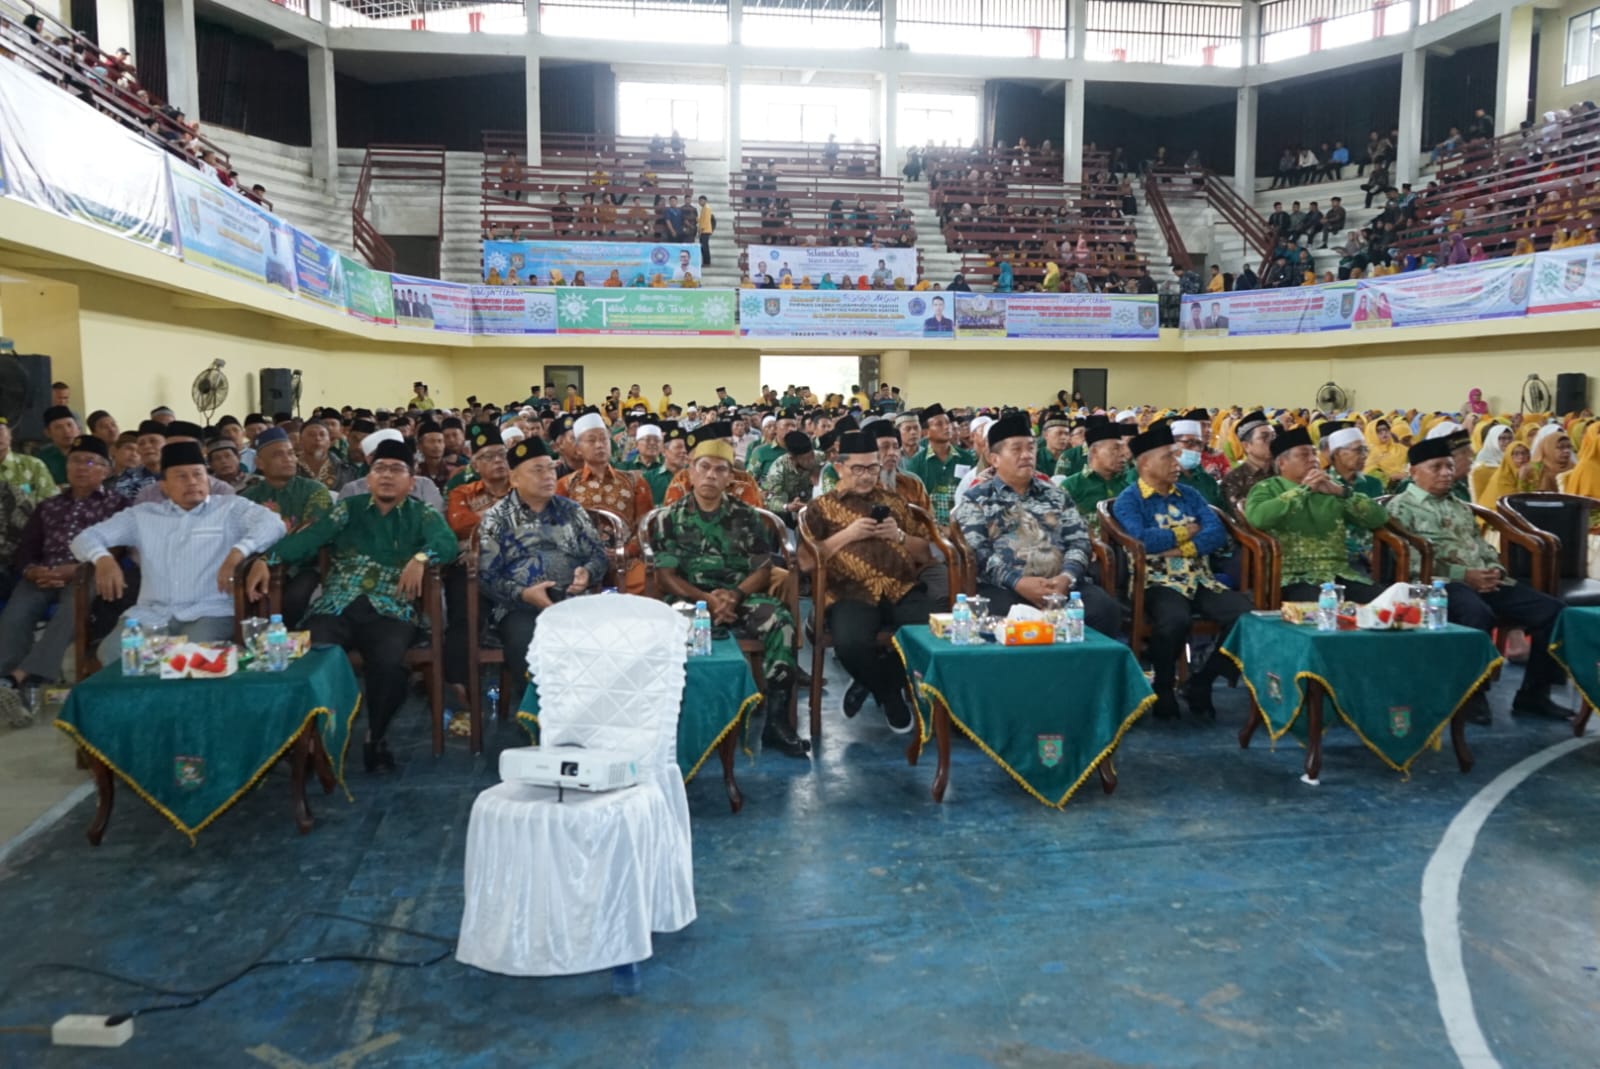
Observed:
{"x":90,"y":1030}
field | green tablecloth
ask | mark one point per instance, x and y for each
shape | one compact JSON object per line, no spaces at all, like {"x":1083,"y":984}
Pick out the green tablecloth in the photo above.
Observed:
{"x":1575,"y":644}
{"x":718,"y":693}
{"x":1395,"y":689}
{"x":1048,"y":715}
{"x":193,"y":747}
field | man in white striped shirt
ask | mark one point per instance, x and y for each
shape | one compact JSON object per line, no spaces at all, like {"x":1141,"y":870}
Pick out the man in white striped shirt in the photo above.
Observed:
{"x":189,"y":547}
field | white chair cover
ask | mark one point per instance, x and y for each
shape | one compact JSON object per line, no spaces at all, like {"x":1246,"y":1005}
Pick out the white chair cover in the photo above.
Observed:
{"x":555,"y":888}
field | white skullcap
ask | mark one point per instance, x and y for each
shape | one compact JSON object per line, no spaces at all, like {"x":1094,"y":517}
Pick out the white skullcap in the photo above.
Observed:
{"x":647,"y":430}
{"x":1127,"y":415}
{"x":527,"y":412}
{"x":512,"y":434}
{"x":767,"y":421}
{"x":585,"y":424}
{"x":372,"y":441}
{"x":1186,"y":428}
{"x":1344,"y":438}
{"x":980,"y":427}
{"x":1444,"y":430}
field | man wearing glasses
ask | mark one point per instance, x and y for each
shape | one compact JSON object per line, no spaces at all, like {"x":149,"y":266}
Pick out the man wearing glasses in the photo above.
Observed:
{"x":382,"y":543}
{"x":864,"y":533}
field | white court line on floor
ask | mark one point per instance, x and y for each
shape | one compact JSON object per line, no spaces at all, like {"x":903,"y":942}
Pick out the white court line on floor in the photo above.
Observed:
{"x":1441,"y":905}
{"x":46,"y":819}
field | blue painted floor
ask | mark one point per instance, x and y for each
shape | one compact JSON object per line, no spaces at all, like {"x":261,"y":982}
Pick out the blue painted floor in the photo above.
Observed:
{"x":1214,"y":912}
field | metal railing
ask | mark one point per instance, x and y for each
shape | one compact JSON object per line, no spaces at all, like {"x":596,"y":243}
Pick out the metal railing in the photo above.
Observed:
{"x":1156,"y":199}
{"x":394,"y":163}
{"x":1220,"y":196}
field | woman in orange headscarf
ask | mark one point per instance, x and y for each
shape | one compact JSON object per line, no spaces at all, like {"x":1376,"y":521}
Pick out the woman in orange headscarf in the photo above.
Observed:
{"x":1552,"y":456}
{"x":1584,"y":478}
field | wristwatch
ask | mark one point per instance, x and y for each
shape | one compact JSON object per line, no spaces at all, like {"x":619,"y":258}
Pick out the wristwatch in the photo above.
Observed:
{"x":420,"y":558}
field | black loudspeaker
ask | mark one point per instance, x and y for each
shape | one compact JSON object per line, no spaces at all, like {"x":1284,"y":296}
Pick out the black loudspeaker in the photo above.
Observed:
{"x":1572,"y":392}
{"x":25,"y":394}
{"x":277,"y":391}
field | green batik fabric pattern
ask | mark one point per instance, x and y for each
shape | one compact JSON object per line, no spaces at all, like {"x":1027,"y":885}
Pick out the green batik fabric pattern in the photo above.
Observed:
{"x":1310,"y":528}
{"x":1450,"y":527}
{"x":1071,"y":462}
{"x":761,"y":458}
{"x":783,"y":483}
{"x":940,"y":478}
{"x":1357,"y":539}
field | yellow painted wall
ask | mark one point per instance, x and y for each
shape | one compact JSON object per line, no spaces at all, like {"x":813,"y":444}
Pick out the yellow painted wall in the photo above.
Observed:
{"x":1549,"y":93}
{"x":41,"y":316}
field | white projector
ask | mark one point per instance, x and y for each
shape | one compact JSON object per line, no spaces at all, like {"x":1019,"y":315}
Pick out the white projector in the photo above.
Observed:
{"x":569,"y":767}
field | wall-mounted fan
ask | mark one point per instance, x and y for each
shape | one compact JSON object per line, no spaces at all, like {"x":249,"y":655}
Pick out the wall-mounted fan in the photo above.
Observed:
{"x":210,"y":389}
{"x":295,"y":383}
{"x":1536,"y":396}
{"x":1331,"y":397}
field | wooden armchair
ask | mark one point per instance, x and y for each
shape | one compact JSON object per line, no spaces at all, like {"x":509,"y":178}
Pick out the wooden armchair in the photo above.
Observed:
{"x":821,"y":638}
{"x":1390,"y":540}
{"x":85,"y":659}
{"x":1564,"y":520}
{"x":964,"y":568}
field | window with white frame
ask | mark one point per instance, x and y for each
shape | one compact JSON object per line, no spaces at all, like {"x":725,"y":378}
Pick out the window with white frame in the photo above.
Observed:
{"x":1583,"y":47}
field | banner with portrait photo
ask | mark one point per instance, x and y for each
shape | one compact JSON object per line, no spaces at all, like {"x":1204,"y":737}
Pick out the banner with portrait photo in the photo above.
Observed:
{"x":317,"y":275}
{"x":368,"y":295}
{"x":535,"y":263}
{"x":1295,"y":310}
{"x":223,"y":231}
{"x":1491,"y":289}
{"x":513,"y":310}
{"x":845,"y":314}
{"x":798,"y":263}
{"x":1106,"y":316}
{"x":644,"y":311}
{"x":428,"y":304}
{"x":1566,"y":280}
{"x":59,"y":154}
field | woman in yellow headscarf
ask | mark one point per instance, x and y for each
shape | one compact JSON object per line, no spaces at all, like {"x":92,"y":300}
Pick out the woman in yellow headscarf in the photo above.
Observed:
{"x":1386,"y":454}
{"x":1514,"y":476}
{"x":1052,"y":279}
{"x":1552,"y":456}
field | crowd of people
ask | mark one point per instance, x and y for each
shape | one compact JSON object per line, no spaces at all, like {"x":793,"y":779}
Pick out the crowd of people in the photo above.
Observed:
{"x":391,"y":492}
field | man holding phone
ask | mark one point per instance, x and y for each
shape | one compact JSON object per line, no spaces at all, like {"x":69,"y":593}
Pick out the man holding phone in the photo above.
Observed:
{"x":867,"y":537}
{"x":789,"y":482}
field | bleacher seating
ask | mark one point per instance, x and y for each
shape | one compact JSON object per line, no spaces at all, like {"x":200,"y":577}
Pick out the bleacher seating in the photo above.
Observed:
{"x":616,"y":187}
{"x":108,"y":83}
{"x":1537,"y":186}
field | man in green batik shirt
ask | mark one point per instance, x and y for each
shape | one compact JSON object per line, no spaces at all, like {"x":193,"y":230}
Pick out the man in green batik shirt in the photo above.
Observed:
{"x":716,"y":549}
{"x":299,"y":501}
{"x":26,"y":475}
{"x":1106,"y":475}
{"x":760,"y":457}
{"x":1460,"y":454}
{"x":1307,"y":512}
{"x":382,"y":544}
{"x":1347,"y":457}
{"x":939,"y":463}
{"x":1189,"y":436}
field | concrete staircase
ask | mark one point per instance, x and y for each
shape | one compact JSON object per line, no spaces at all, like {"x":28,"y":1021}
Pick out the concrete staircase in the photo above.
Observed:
{"x":708,"y":176}
{"x":285,"y":170}
{"x":939,"y":264}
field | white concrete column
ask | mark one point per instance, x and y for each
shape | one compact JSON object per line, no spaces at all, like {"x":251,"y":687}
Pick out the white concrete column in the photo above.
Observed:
{"x":1249,"y":33}
{"x":321,"y":10}
{"x":535,"y":123}
{"x":736,"y":22}
{"x":1413,"y":14}
{"x":733,"y":114}
{"x":1511,"y":75}
{"x":889,"y":127}
{"x":183,"y":68}
{"x":1244,"y":142}
{"x":1413,"y":65}
{"x":1072,"y":131}
{"x":114,"y":26}
{"x":324,"y":117}
{"x":887,"y":21}
{"x":1077,"y":28}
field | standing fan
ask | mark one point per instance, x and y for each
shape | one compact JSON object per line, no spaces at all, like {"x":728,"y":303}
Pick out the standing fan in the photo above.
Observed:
{"x":210,"y":389}
{"x":1536,"y":395}
{"x":294,"y":390}
{"x":1331,"y":398}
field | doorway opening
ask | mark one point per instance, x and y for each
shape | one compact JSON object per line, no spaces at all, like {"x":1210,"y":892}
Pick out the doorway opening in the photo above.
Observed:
{"x":557,"y":377}
{"x":823,"y":374}
{"x":1090,"y":384}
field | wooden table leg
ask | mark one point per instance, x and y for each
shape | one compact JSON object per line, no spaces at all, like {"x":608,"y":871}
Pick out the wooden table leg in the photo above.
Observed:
{"x":727,"y":751}
{"x":322,"y":762}
{"x":299,"y":760}
{"x":106,"y":787}
{"x":1247,"y":732}
{"x":1581,"y":721}
{"x":1108,"y":774}
{"x":941,"y":734}
{"x":914,"y":747}
{"x":1314,"y":695}
{"x":1458,"y":732}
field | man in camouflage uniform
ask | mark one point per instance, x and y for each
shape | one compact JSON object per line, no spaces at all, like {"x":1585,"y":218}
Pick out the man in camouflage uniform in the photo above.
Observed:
{"x":789,"y":481}
{"x":715,"y":548}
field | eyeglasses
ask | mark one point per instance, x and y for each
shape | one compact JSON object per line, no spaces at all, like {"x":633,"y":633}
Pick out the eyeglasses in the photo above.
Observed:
{"x":392,"y":468}
{"x":863,"y":469}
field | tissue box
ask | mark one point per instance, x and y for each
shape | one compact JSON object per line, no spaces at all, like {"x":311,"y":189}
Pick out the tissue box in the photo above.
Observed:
{"x":1028,"y":633}
{"x":939,"y":623}
{"x":195,"y":661}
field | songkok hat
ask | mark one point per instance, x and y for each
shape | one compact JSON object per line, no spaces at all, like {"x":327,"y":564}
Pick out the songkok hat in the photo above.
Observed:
{"x":857,"y":443}
{"x":717,"y":430}
{"x":709,"y":447}
{"x":932,"y":411}
{"x":1444,"y":430}
{"x":178,"y":454}
{"x":1102,"y":432}
{"x":1344,"y":439}
{"x":487,"y":434}
{"x":527,"y":449}
{"x":881,"y":429}
{"x":559,"y":426}
{"x":647,"y":430}
{"x":55,"y":412}
{"x":428,"y":426}
{"x":1014,"y":425}
{"x":87,"y":443}
{"x":181,"y":429}
{"x":250,"y":417}
{"x":1159,"y":436}
{"x":274,"y":434}
{"x":363,"y":426}
{"x":216,"y":445}
{"x":798,"y":443}
{"x":586,"y":423}
{"x":1053,"y":417}
{"x":906,"y":417}
{"x":671,"y":432}
{"x":1429,"y":449}
{"x":453,"y":423}
{"x":389,"y":449}
{"x":1199,"y":415}
{"x":150,"y":426}
{"x":1248,"y":425}
{"x":1289,"y":440}
{"x":1186,"y":428}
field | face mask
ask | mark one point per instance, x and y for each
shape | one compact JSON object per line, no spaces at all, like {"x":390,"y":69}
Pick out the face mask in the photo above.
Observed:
{"x":1189,"y":459}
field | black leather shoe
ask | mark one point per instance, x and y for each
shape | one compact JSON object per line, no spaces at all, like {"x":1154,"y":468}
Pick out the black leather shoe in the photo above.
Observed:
{"x":855,"y":698}
{"x":777,"y":734}
{"x":898,"y":714}
{"x":1198,"y":695}
{"x":1166,"y":705}
{"x":385,"y":757}
{"x":369,"y":756}
{"x":1536,"y":704}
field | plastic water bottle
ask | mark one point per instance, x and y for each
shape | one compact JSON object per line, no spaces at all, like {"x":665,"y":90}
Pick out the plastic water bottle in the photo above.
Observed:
{"x":1438,"y":607}
{"x":132,"y":647}
{"x":702,"y":631}
{"x":961,"y":622}
{"x":1328,"y":609}
{"x":277,"y":645}
{"x":1075,"y":618}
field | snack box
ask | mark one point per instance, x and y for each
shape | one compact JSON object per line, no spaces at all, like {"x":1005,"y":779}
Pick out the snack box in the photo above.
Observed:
{"x":1027,"y":633}
{"x":939,"y":623}
{"x":194,"y":660}
{"x":1305,"y":612}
